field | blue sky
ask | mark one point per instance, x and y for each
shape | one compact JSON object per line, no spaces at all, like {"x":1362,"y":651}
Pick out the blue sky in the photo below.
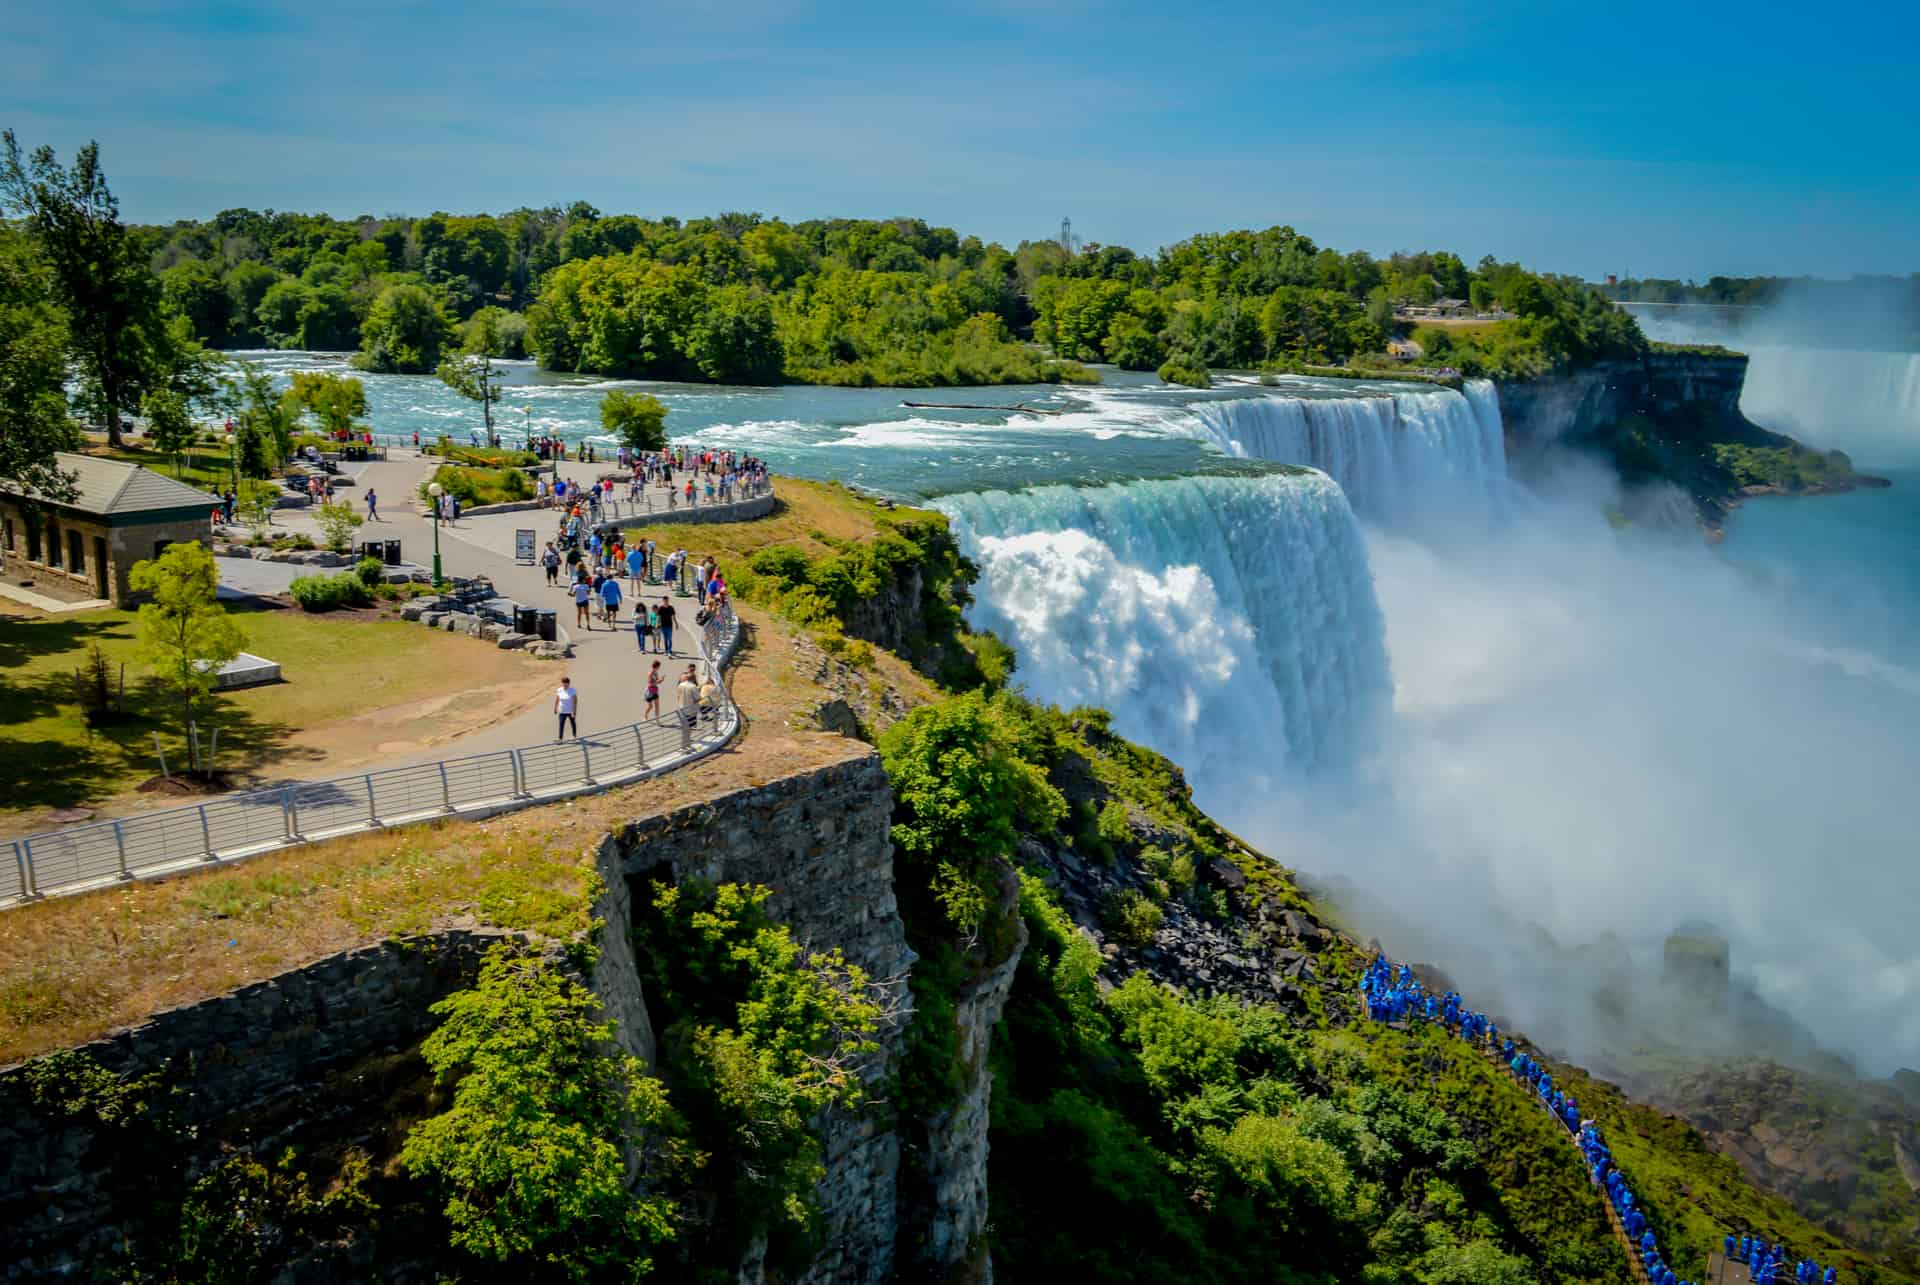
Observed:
{"x":1664,"y":139}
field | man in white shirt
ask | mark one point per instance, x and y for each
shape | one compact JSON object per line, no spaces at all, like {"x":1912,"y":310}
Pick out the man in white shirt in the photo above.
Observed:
{"x":566,"y":703}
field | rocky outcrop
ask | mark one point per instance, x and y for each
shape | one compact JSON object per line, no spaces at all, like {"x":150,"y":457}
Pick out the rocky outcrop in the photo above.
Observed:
{"x":950,"y":1238}
{"x":820,"y":841}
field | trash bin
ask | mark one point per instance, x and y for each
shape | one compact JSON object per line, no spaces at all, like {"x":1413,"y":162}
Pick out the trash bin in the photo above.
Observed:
{"x":392,"y":553}
{"x":526,"y":620}
{"x":549,"y":625}
{"x":371,"y":549}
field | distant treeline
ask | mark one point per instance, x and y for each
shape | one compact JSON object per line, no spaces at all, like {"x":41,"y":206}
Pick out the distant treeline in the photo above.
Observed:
{"x":740,"y":298}
{"x":1759,"y":291}
{"x":1880,"y":312}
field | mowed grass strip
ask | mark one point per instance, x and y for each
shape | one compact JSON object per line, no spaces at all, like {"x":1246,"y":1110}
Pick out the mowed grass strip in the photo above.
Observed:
{"x":332,"y":670}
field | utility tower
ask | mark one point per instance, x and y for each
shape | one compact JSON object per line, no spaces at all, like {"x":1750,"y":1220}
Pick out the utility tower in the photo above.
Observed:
{"x":1066,"y":235}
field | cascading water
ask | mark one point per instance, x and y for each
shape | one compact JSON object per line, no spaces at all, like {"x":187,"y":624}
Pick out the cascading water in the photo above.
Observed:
{"x":1228,"y":622}
{"x":1404,"y":458}
{"x":1865,"y":403}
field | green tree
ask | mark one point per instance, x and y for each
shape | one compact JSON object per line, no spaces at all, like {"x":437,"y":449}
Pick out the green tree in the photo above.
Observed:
{"x":404,"y":333}
{"x":169,"y":424}
{"x":263,"y":417}
{"x":118,"y":335}
{"x":734,"y":340}
{"x":470,"y":372}
{"x":336,"y":401}
{"x":531,"y":1152}
{"x":636,"y":419}
{"x":33,"y":371}
{"x":338,"y":522}
{"x":185,"y":634}
{"x":958,"y":787}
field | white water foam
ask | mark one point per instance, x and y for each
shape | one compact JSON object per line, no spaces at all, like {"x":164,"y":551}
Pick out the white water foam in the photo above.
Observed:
{"x":1228,"y":622}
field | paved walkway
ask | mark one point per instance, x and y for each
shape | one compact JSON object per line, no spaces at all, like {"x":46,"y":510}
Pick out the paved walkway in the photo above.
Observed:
{"x":607,"y":668}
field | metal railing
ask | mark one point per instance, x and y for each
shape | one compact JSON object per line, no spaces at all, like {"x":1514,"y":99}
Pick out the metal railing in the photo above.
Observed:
{"x":614,"y":511}
{"x":231,"y":826}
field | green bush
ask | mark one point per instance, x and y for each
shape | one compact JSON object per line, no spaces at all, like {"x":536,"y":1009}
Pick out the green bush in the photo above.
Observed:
{"x":1184,"y":369}
{"x":474,"y":486}
{"x":371,"y":572}
{"x":530,"y":1155}
{"x":329,"y":593}
{"x":1130,"y":917}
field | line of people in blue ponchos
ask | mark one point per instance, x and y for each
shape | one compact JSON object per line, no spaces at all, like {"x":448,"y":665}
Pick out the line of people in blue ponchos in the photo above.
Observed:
{"x":1395,"y":995}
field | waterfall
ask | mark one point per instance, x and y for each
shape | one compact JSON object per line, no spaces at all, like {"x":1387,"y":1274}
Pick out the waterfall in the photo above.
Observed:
{"x":1228,"y":622}
{"x":1864,"y":403}
{"x":1405,"y":458}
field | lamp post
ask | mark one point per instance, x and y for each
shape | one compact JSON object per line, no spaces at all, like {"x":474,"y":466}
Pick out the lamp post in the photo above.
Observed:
{"x":435,"y":491}
{"x":528,"y":412}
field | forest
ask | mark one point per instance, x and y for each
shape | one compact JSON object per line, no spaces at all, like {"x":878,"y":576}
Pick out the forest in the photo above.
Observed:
{"x":739,"y":298}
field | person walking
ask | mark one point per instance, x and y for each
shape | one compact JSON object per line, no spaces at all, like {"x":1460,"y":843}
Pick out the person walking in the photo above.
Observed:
{"x":373,"y":506}
{"x":643,"y":625}
{"x":664,"y":614}
{"x":652,"y":709}
{"x":709,"y":699}
{"x":566,"y":704}
{"x":610,"y":597}
{"x":689,"y":691}
{"x":551,"y":561}
{"x":582,"y":603}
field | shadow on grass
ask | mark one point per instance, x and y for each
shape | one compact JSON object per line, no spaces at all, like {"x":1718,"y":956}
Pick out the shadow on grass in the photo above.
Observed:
{"x":88,"y":764}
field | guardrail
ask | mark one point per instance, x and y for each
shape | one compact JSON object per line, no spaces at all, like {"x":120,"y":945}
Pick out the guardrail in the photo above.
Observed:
{"x":233,"y":826}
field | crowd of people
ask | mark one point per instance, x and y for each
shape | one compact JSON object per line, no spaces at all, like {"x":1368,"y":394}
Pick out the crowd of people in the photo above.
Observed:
{"x":1396,"y":995}
{"x":703,"y":477}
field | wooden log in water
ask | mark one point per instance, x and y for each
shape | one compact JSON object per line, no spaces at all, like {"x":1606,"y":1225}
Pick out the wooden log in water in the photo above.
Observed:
{"x":1019,"y":406}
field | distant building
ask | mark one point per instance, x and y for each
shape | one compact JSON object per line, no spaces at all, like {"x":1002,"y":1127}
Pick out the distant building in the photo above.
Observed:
{"x":1404,"y":349}
{"x":121,"y":514}
{"x":1612,"y":280}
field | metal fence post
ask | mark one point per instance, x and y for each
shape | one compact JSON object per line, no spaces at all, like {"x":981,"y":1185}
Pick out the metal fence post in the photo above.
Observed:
{"x":23,"y":857}
{"x":446,"y":792}
{"x":290,"y":812}
{"x":120,"y":849}
{"x":206,"y":833}
{"x":639,"y":745}
{"x":519,"y":774}
{"x":586,"y":763}
{"x":373,"y":814}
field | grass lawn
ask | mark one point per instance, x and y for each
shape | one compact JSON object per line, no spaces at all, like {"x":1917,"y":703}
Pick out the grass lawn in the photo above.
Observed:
{"x":335,"y":672}
{"x":803,"y":513}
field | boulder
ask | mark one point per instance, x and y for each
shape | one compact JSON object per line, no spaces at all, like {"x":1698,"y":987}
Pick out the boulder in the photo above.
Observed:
{"x":328,"y":558}
{"x":433,"y":619}
{"x":511,"y":641}
{"x":552,"y":650}
{"x":413,"y":611}
{"x":494,"y":633}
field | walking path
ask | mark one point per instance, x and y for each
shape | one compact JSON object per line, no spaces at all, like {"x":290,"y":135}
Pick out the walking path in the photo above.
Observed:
{"x":506,"y":764}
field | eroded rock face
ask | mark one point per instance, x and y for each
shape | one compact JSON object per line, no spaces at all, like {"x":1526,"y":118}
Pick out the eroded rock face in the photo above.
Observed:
{"x":1844,"y":1151}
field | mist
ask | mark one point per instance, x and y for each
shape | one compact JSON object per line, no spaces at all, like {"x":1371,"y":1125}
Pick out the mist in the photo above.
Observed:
{"x":1836,"y":364}
{"x":1598,"y":738}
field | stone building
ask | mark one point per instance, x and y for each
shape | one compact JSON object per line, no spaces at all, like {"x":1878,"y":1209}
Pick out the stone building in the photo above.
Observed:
{"x":84,"y":547}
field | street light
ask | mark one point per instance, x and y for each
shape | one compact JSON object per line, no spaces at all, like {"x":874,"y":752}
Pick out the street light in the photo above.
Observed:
{"x":435,"y":490}
{"x":528,"y":412}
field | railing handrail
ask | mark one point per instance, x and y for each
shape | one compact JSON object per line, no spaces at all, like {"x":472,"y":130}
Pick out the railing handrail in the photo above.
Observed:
{"x":108,"y":839}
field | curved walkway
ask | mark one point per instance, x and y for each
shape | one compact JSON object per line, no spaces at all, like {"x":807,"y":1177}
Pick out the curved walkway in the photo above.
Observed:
{"x":511,"y":763}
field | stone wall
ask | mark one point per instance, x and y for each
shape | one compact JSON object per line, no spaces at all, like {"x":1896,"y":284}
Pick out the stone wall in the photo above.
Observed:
{"x":253,"y":1064}
{"x":820,"y":841}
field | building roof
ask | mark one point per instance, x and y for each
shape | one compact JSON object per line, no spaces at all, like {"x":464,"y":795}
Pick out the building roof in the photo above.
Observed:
{"x":114,"y":488}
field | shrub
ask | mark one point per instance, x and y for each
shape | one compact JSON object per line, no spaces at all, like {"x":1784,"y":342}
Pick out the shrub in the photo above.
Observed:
{"x":338,"y":522}
{"x":530,"y":1154}
{"x":328,"y":593}
{"x":1184,"y":369}
{"x":371,"y":572}
{"x":1130,"y":917}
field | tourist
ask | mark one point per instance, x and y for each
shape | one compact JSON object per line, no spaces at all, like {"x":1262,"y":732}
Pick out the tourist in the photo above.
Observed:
{"x":636,"y":567}
{"x":709,"y":698}
{"x":373,"y":506}
{"x":643,"y":625}
{"x":663,"y":614}
{"x":582,"y":598}
{"x":610,"y":595}
{"x":689,"y":706}
{"x":566,"y":703}
{"x":551,"y":561}
{"x":652,"y":709}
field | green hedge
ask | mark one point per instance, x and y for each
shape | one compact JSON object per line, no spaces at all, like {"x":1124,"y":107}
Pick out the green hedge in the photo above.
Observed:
{"x":328,"y":593}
